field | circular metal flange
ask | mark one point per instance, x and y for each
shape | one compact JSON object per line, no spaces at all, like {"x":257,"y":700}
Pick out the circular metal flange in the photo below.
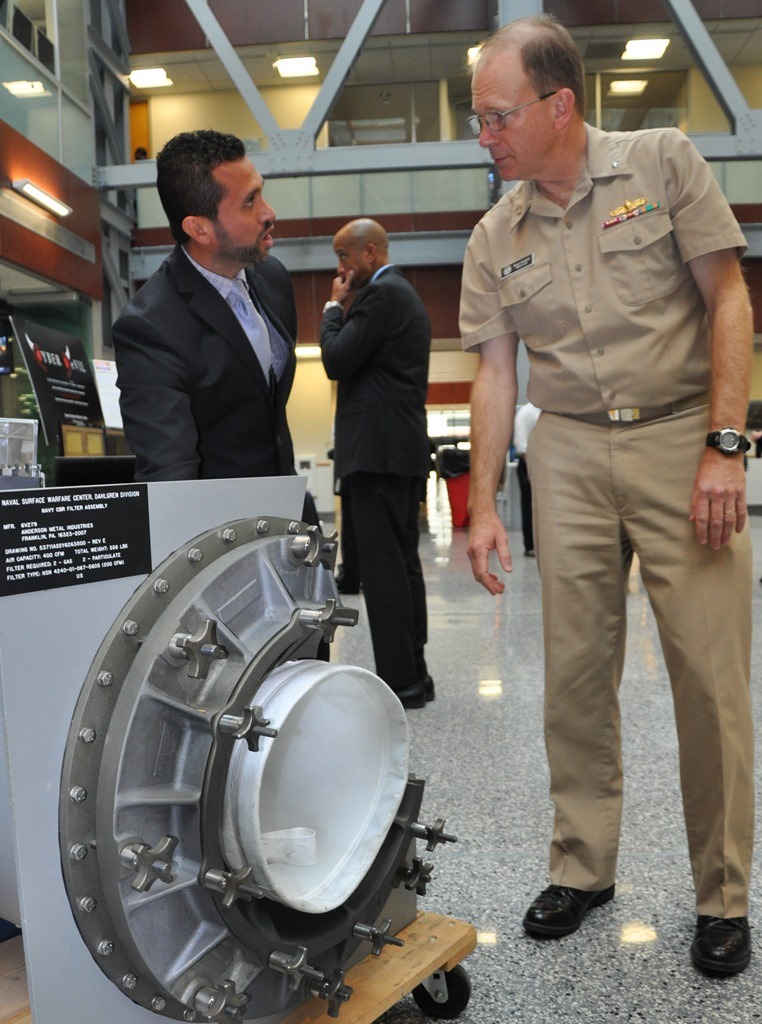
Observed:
{"x":145,"y":769}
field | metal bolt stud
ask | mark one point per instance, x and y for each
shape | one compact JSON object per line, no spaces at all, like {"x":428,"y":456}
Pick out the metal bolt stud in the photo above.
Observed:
{"x":87,"y":735}
{"x":106,"y":947}
{"x":229,"y":535}
{"x":263,"y":526}
{"x":87,"y":904}
{"x":130,"y":628}
{"x":161,"y":586}
{"x":158,"y":1003}
{"x":78,"y":794}
{"x":189,"y":1015}
{"x":129,"y":981}
{"x":195,"y":555}
{"x":105,"y":678}
{"x":78,"y":852}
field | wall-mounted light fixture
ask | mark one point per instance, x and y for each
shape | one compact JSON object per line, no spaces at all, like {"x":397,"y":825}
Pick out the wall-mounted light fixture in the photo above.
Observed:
{"x":296,"y":67}
{"x":308,"y":351}
{"x":38,"y":195}
{"x":24,"y":90}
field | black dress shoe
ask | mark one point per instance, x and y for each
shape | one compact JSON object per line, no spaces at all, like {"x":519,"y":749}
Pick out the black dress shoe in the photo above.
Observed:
{"x":412,"y":696}
{"x":428,"y":687}
{"x":722,"y":945}
{"x":559,"y":910}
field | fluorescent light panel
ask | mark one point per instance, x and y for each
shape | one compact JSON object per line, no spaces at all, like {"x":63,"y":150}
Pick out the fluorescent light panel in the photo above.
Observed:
{"x":296,"y":67}
{"x":628,"y":87}
{"x":645,"y":49}
{"x":150,"y":78}
{"x":38,"y":195}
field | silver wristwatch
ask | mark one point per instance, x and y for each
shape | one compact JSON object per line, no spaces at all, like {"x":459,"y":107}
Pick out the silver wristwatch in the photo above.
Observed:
{"x":728,"y":440}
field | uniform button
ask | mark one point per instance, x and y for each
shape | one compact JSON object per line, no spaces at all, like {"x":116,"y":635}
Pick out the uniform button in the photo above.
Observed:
{"x":612,"y":395}
{"x":637,"y":240}
{"x":588,"y":309}
{"x":578,"y":266}
{"x":567,"y":224}
{"x":522,"y":294}
{"x":599,"y":351}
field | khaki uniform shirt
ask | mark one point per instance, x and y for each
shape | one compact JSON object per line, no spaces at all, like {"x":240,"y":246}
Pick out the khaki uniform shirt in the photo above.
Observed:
{"x":604,"y":302}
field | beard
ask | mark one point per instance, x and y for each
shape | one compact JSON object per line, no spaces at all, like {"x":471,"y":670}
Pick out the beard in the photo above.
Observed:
{"x":243,"y":254}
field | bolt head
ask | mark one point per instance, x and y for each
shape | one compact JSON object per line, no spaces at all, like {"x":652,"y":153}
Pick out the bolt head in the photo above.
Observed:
{"x":130,"y":628}
{"x":88,"y":904}
{"x":129,"y":981}
{"x":78,"y":794}
{"x":161,"y":586}
{"x":106,"y":947}
{"x":78,"y":851}
{"x":158,"y":1003}
{"x":105,"y":678}
{"x":195,"y":555}
{"x":87,"y":735}
{"x":229,"y":535}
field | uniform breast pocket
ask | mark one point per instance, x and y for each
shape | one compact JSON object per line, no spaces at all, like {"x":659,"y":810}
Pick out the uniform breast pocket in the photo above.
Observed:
{"x":642,"y":258}
{"x":528,"y":297}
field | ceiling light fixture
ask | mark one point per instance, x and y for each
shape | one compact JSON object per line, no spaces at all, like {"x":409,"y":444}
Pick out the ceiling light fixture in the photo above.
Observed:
{"x":24,"y":90}
{"x":38,"y":195}
{"x":296,"y":67}
{"x":628,"y":87}
{"x":644,"y":49}
{"x":150,"y":78}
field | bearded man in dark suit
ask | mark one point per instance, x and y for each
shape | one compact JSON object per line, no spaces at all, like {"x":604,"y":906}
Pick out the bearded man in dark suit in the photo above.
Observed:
{"x":205,"y":349}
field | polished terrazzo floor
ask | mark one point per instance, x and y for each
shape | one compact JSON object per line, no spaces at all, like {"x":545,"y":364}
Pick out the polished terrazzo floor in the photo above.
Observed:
{"x":479,"y":746}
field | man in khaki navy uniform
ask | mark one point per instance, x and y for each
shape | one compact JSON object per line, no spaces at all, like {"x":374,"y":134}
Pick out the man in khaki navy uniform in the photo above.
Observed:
{"x":616,"y":260}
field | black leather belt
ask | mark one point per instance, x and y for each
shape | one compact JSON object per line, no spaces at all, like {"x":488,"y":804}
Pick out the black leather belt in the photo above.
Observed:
{"x":641,"y":414}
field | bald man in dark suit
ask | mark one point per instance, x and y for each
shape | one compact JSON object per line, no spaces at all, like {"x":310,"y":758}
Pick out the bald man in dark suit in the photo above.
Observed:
{"x":379,"y":354}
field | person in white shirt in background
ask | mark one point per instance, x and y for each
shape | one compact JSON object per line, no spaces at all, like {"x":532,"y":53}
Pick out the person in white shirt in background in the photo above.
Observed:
{"x":526,"y":417}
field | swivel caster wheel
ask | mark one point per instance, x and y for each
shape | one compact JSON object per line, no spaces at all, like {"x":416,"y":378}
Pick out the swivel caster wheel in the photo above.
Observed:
{"x":445,"y":994}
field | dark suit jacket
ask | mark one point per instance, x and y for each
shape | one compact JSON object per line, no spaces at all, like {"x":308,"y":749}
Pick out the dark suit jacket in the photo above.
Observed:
{"x":194,"y":399}
{"x":380,"y":357}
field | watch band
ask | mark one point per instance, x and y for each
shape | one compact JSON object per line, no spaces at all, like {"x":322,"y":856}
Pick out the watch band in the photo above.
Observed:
{"x":331,"y":304}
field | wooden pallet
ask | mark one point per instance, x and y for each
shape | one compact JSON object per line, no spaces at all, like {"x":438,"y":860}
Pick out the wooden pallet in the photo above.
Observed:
{"x":432,"y":943}
{"x":14,"y":996}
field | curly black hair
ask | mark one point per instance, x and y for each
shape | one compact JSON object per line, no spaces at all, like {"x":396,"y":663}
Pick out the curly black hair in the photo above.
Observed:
{"x":184,"y":177}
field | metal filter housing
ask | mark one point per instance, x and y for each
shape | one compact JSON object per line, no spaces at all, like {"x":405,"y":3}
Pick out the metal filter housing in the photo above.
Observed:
{"x":170,"y":697}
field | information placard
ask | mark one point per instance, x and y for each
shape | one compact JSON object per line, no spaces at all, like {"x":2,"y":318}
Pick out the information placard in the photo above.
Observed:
{"x":64,"y":537}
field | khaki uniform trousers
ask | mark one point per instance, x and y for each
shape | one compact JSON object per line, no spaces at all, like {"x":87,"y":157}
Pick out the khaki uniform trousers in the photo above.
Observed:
{"x":600,"y":493}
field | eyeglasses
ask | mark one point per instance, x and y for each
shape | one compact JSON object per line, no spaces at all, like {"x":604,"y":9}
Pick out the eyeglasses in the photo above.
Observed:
{"x":495,"y":119}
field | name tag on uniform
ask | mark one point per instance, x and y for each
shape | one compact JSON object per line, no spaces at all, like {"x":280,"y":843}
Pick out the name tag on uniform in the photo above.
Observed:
{"x":514,"y":268}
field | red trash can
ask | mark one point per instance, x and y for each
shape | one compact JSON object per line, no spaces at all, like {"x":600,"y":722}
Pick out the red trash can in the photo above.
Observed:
{"x":457,"y":492}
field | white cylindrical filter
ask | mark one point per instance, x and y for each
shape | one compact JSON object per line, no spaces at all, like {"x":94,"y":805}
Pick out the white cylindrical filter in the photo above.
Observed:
{"x":309,"y":811}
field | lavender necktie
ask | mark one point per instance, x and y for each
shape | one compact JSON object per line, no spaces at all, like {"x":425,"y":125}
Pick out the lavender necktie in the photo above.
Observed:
{"x":250,"y":319}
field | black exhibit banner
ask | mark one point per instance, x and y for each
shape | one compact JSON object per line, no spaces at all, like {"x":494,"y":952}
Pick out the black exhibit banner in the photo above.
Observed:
{"x":61,"y":376}
{"x":68,"y":536}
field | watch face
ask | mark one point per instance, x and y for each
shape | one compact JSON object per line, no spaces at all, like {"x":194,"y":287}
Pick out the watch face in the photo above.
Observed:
{"x":729,"y":440}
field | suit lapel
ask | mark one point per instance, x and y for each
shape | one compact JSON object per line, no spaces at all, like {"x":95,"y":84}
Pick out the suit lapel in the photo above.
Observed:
{"x":206,"y":303}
